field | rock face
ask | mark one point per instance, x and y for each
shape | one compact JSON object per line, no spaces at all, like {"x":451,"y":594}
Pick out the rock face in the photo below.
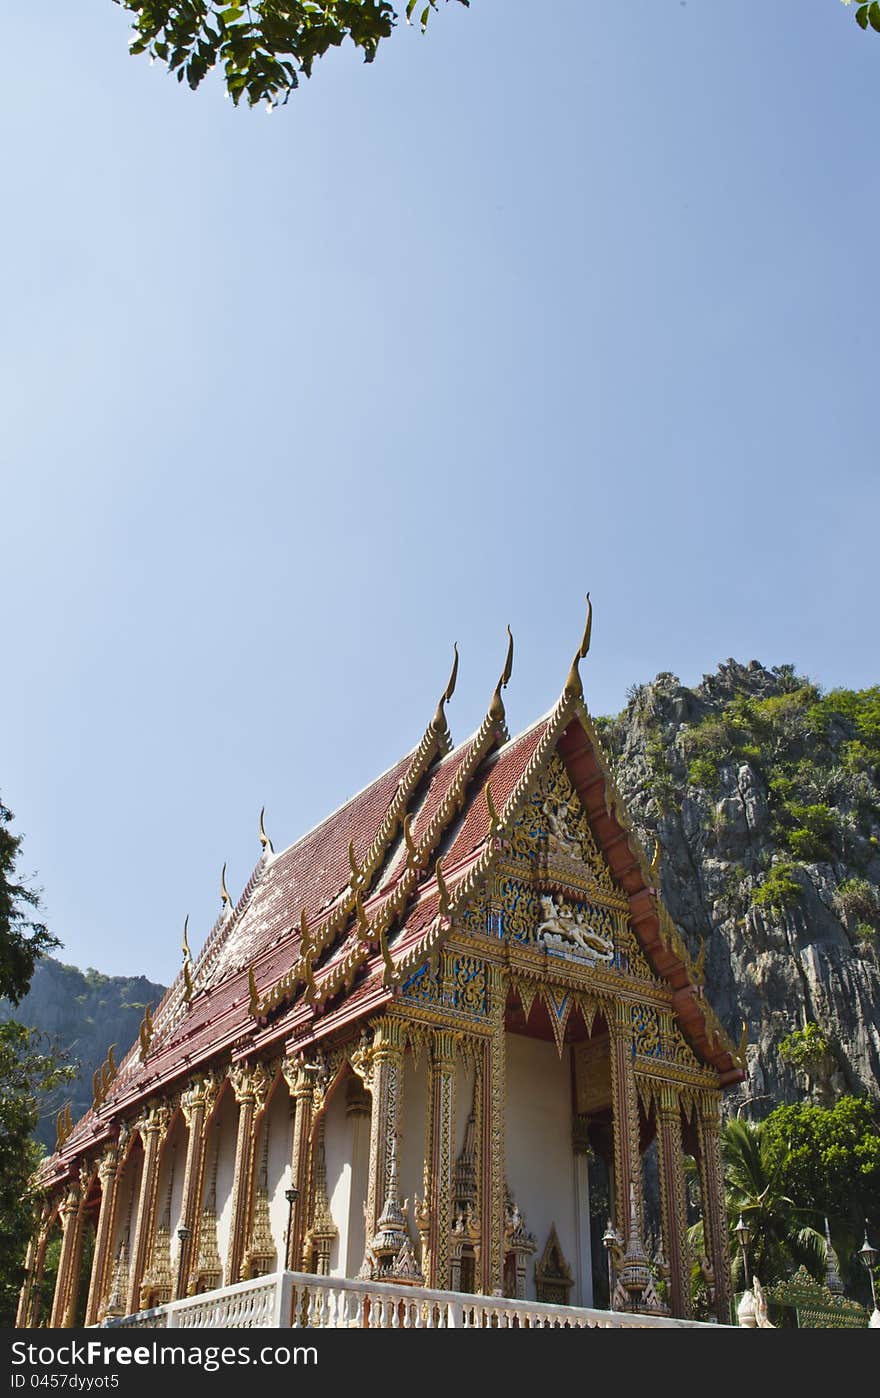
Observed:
{"x":764,"y":796}
{"x":82,"y":1013}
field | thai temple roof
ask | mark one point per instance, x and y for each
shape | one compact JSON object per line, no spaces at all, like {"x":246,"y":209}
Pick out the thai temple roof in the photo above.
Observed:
{"x":328,"y":930}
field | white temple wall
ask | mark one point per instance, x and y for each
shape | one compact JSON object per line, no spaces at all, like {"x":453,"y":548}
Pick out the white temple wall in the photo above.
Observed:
{"x":224,"y":1134}
{"x":414,"y":1103}
{"x":464,"y":1100}
{"x":351,"y":1258}
{"x":337,"y":1155}
{"x":171,"y":1172}
{"x":279,"y":1123}
{"x":540,"y":1169}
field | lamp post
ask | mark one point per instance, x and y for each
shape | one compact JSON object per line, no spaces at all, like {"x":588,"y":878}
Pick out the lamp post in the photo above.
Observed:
{"x":183,"y":1234}
{"x":742,"y":1236}
{"x":746,"y":1313}
{"x":869,"y":1258}
{"x":610,"y":1240}
{"x":291,"y":1195}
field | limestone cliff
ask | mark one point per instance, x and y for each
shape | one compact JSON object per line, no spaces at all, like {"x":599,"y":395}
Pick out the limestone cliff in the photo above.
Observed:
{"x":82,"y":1013}
{"x":764,"y":795}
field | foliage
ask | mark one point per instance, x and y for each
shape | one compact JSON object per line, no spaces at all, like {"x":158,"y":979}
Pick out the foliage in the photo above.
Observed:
{"x":263,"y":46}
{"x":857,"y":898}
{"x":805,"y":1048}
{"x":782,"y":1232}
{"x":828,"y":1159}
{"x":779,"y":889}
{"x":26,"y":1071}
{"x":867,"y":14}
{"x":703,"y":772}
{"x":22,"y":939}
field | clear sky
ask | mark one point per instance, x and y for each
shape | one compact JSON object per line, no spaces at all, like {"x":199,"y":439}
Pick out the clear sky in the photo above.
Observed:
{"x":562,"y":295}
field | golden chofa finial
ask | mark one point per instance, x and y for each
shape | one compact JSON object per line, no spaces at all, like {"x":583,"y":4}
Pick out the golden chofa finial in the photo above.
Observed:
{"x":655,"y":863}
{"x":573,"y":687}
{"x":700,"y":962}
{"x":439,"y":720}
{"x":264,"y":838}
{"x":496,"y":708}
{"x":389,"y":974}
{"x":224,"y":892}
{"x":187,"y":955}
{"x":187,"y":982}
{"x":743,"y":1044}
{"x":253,"y":995}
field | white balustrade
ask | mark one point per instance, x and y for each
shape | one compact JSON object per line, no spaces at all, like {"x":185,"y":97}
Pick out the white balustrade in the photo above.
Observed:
{"x":304,"y":1301}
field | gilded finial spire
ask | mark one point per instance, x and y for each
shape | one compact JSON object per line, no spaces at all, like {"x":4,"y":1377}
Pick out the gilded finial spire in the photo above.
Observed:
{"x":412,"y":853}
{"x":573,"y":687}
{"x":655,"y":862}
{"x":439,"y":721}
{"x":187,"y":956}
{"x":743,"y":1044}
{"x":496,"y":707}
{"x":264,"y":838}
{"x":187,"y":983}
{"x":224,"y":891}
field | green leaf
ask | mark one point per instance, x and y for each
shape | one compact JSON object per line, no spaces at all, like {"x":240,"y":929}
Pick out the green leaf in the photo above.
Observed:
{"x":874,"y":16}
{"x":862,"y":16}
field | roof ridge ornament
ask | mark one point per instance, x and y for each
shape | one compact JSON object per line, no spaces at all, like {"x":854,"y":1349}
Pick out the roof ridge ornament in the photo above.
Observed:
{"x":268,"y":848}
{"x":574,"y":689}
{"x":438,"y":723}
{"x":494,"y":818}
{"x":224,"y":891}
{"x":496,"y":707}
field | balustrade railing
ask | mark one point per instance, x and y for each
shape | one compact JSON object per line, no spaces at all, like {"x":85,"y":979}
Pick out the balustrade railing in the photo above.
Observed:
{"x":304,"y":1301}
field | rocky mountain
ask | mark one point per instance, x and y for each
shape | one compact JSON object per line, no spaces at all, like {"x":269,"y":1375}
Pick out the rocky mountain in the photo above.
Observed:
{"x":764,"y":796}
{"x":82,"y":1013}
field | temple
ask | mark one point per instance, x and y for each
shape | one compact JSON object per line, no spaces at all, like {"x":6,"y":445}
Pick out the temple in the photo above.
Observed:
{"x":450,"y":1041}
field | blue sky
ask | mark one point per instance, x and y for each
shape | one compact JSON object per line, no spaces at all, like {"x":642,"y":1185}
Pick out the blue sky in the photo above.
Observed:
{"x":556,"y":297}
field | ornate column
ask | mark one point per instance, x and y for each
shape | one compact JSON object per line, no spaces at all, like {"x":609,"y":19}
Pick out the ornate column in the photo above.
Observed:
{"x":36,"y":1256}
{"x":493,"y":1206}
{"x":107,"y":1176}
{"x":152,"y":1128}
{"x":673,"y":1200}
{"x":70,"y":1227}
{"x":300,"y":1083}
{"x":442,"y":1098}
{"x":196,"y":1104}
{"x":384,"y":1072}
{"x":627,"y":1157}
{"x":714,"y":1210}
{"x":251,"y":1087}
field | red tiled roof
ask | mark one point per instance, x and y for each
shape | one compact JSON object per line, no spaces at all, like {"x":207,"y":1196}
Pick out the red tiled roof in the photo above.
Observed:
{"x":263,"y":931}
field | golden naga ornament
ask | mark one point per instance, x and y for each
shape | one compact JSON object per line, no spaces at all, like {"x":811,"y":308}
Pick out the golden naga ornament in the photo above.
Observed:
{"x":573,"y":687}
{"x":264,"y":838}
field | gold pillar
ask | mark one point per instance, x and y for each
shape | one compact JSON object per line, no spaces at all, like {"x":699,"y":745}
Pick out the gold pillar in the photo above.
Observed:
{"x":107,"y":1176}
{"x":299,"y":1082}
{"x":673,"y":1200}
{"x":71,"y":1223}
{"x":627,"y":1157}
{"x":251,"y":1087}
{"x":383,"y":1080}
{"x":494,"y":1174}
{"x":714,"y":1209}
{"x":33,"y":1266}
{"x":442,"y":1099}
{"x":196,"y":1103}
{"x":152,"y":1128}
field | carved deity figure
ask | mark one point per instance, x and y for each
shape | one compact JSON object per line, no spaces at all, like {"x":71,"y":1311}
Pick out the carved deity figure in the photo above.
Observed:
{"x":571,"y":931}
{"x":559,"y":837}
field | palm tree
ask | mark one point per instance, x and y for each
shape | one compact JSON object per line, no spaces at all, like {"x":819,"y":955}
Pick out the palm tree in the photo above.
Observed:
{"x":781,"y":1235}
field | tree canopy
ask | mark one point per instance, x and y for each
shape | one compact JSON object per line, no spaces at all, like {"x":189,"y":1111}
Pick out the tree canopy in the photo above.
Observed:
{"x":265,"y":46}
{"x":27,"y":1069}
